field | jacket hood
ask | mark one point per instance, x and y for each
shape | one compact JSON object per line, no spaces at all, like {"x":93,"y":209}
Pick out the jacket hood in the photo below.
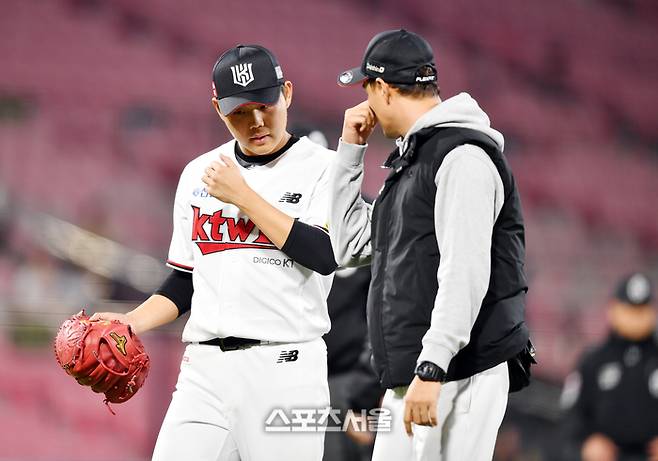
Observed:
{"x":459,"y":111}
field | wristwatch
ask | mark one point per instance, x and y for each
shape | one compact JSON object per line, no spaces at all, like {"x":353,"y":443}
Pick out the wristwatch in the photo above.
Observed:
{"x":428,"y":371}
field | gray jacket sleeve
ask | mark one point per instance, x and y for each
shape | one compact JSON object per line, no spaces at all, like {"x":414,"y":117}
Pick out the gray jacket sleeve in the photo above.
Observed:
{"x":469,"y":196}
{"x":350,"y":215}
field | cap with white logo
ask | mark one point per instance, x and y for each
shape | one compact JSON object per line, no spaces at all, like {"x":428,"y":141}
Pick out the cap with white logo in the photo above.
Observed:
{"x":396,"y":56}
{"x":246,"y":74}
{"x":635,"y":290}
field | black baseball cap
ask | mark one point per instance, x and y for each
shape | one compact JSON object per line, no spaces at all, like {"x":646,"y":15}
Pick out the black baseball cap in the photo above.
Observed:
{"x":246,"y":74}
{"x":396,"y":56}
{"x":635,"y":289}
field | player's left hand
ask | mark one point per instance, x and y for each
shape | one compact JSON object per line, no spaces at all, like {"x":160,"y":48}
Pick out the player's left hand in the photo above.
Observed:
{"x":420,"y":404}
{"x":224,"y":181}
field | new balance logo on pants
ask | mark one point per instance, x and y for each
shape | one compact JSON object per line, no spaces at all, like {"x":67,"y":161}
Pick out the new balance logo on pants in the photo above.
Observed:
{"x":288,"y":356}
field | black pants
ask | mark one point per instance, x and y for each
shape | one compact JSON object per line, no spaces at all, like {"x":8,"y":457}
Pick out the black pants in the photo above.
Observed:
{"x":337,"y":445}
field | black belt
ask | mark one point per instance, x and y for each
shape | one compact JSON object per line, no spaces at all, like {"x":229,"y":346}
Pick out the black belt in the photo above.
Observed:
{"x":232,"y":343}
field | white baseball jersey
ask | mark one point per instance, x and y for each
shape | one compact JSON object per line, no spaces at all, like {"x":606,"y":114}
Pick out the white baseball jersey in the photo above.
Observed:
{"x":243,"y":285}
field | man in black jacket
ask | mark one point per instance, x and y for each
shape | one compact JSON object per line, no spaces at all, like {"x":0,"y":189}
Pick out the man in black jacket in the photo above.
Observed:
{"x":445,"y":240}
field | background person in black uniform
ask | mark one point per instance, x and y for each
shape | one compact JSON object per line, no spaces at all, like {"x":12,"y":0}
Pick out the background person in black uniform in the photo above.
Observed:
{"x":353,"y":384}
{"x":611,"y":400}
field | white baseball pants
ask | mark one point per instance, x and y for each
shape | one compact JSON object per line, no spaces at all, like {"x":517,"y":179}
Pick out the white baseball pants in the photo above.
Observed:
{"x":469,"y":412}
{"x":222,"y":401}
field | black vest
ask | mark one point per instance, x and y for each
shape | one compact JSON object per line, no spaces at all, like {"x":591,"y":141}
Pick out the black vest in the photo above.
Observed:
{"x":406,"y":259}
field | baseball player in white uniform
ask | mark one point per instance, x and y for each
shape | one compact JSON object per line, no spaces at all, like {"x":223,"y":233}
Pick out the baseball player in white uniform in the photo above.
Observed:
{"x":252,"y":260}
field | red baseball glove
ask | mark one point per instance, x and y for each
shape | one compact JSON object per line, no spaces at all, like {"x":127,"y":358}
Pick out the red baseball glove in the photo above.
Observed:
{"x":105,"y":355}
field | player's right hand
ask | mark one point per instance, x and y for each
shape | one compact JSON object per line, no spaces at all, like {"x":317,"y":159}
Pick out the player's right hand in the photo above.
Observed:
{"x":359,"y":122}
{"x":420,"y":404}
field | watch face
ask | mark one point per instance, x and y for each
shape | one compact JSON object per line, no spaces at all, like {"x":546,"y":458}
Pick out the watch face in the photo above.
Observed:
{"x":427,"y":371}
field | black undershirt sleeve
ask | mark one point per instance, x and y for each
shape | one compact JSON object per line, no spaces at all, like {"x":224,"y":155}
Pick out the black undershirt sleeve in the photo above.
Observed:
{"x":178,"y":288}
{"x":310,"y":246}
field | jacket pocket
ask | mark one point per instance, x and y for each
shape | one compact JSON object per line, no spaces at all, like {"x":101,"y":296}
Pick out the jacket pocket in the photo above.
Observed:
{"x":519,"y":368}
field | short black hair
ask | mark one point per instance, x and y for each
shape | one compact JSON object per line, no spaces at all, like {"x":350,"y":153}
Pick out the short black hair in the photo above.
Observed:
{"x":415,"y":90}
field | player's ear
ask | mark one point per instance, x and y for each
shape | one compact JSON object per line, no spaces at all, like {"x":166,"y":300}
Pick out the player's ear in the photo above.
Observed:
{"x":286,"y":88}
{"x":384,"y":89}
{"x":215,"y":104}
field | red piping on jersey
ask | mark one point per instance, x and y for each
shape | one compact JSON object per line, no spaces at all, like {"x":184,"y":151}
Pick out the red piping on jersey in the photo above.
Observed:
{"x":180,"y":266}
{"x":215,"y":247}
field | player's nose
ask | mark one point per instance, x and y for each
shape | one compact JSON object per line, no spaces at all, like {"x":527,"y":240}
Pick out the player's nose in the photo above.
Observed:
{"x":257,"y":118}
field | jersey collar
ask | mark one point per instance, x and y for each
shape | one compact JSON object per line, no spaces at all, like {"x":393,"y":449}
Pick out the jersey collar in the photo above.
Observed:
{"x":250,"y":161}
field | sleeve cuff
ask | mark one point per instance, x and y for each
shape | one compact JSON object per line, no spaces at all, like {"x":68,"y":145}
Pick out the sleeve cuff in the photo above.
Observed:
{"x":438,"y":355}
{"x":178,"y":266}
{"x":351,"y":154}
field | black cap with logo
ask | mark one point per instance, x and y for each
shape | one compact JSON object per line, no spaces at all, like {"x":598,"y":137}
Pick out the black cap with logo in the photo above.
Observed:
{"x":246,"y":74}
{"x":395,"y":56}
{"x":635,"y":290}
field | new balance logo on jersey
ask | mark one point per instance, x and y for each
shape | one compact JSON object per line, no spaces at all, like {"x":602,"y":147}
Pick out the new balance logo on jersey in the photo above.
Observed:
{"x":291,"y":197}
{"x":288,"y":356}
{"x":216,"y":232}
